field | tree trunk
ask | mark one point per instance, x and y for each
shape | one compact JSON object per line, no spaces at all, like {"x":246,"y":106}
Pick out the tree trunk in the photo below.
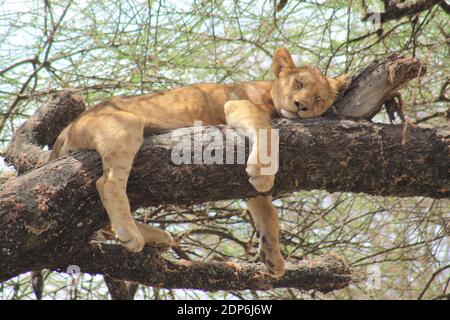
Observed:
{"x":49,"y":214}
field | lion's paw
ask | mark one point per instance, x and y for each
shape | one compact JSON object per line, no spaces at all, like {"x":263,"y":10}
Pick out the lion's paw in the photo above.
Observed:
{"x":131,"y":239}
{"x":262,"y":183}
{"x":272,"y":259}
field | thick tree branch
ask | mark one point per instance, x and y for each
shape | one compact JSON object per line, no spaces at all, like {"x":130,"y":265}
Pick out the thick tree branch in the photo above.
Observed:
{"x":25,"y":150}
{"x":43,"y":211}
{"x":49,"y":214}
{"x":375,"y":84}
{"x":325,"y":273}
{"x":396,"y":9}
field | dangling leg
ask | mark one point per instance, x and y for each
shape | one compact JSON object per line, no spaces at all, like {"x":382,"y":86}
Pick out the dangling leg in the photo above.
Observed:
{"x":265,"y":218}
{"x":117,"y":142}
{"x":262,"y":163}
{"x":262,"y":166}
{"x":117,"y":139}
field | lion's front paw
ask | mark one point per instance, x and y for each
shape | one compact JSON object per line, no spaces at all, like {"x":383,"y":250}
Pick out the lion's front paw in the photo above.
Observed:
{"x":272,"y":259}
{"x":262,"y":183}
{"x":131,"y":239}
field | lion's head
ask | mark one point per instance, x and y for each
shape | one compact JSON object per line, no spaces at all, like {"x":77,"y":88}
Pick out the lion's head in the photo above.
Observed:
{"x":302,"y":91}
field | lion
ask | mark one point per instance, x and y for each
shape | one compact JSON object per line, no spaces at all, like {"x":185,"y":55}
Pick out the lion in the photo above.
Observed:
{"x":115,"y":129}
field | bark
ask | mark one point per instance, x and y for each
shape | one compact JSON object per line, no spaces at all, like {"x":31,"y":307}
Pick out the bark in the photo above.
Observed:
{"x":280,"y":5}
{"x":398,"y":9}
{"x":376,"y":84}
{"x":120,"y":289}
{"x":325,"y":273}
{"x":52,"y":208}
{"x":25,"y":150}
{"x":49,"y":214}
{"x":445,"y":6}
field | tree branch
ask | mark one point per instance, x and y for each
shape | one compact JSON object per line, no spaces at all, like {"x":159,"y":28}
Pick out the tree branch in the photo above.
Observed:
{"x":25,"y":150}
{"x":375,"y":84}
{"x":325,"y":273}
{"x":396,"y":10}
{"x":445,"y":6}
{"x":120,"y":289}
{"x":49,"y":214}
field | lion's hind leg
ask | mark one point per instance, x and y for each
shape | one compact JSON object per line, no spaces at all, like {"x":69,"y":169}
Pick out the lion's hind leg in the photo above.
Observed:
{"x":117,"y":137}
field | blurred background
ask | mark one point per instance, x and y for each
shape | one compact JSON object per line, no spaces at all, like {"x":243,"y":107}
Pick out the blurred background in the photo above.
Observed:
{"x":398,"y":247}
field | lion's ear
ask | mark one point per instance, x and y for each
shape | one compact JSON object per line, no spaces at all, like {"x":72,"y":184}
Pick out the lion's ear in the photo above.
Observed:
{"x":339,"y":83}
{"x":282,"y":60}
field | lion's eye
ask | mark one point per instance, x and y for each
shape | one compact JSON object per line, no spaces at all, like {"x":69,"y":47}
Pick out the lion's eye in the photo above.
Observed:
{"x":299,"y":84}
{"x":317,"y":99}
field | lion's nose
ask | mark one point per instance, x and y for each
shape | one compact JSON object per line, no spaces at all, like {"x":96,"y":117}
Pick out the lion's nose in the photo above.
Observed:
{"x":299,"y":106}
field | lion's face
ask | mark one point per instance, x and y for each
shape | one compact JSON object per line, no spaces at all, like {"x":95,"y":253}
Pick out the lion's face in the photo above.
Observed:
{"x":302,"y":92}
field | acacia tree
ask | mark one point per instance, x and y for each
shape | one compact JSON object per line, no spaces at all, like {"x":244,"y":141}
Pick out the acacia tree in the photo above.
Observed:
{"x":132,"y":48}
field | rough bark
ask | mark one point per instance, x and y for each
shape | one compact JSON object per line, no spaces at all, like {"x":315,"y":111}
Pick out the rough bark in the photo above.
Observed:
{"x":25,"y":150}
{"x":49,"y":214}
{"x":398,"y":9}
{"x":55,"y":206}
{"x":375,"y":84}
{"x":324,"y":273}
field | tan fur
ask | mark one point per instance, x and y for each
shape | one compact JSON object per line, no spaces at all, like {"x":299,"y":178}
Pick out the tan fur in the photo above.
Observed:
{"x":115,"y":130}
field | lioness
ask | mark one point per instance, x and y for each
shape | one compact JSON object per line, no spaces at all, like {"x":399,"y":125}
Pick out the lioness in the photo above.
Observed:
{"x":115,"y":130}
